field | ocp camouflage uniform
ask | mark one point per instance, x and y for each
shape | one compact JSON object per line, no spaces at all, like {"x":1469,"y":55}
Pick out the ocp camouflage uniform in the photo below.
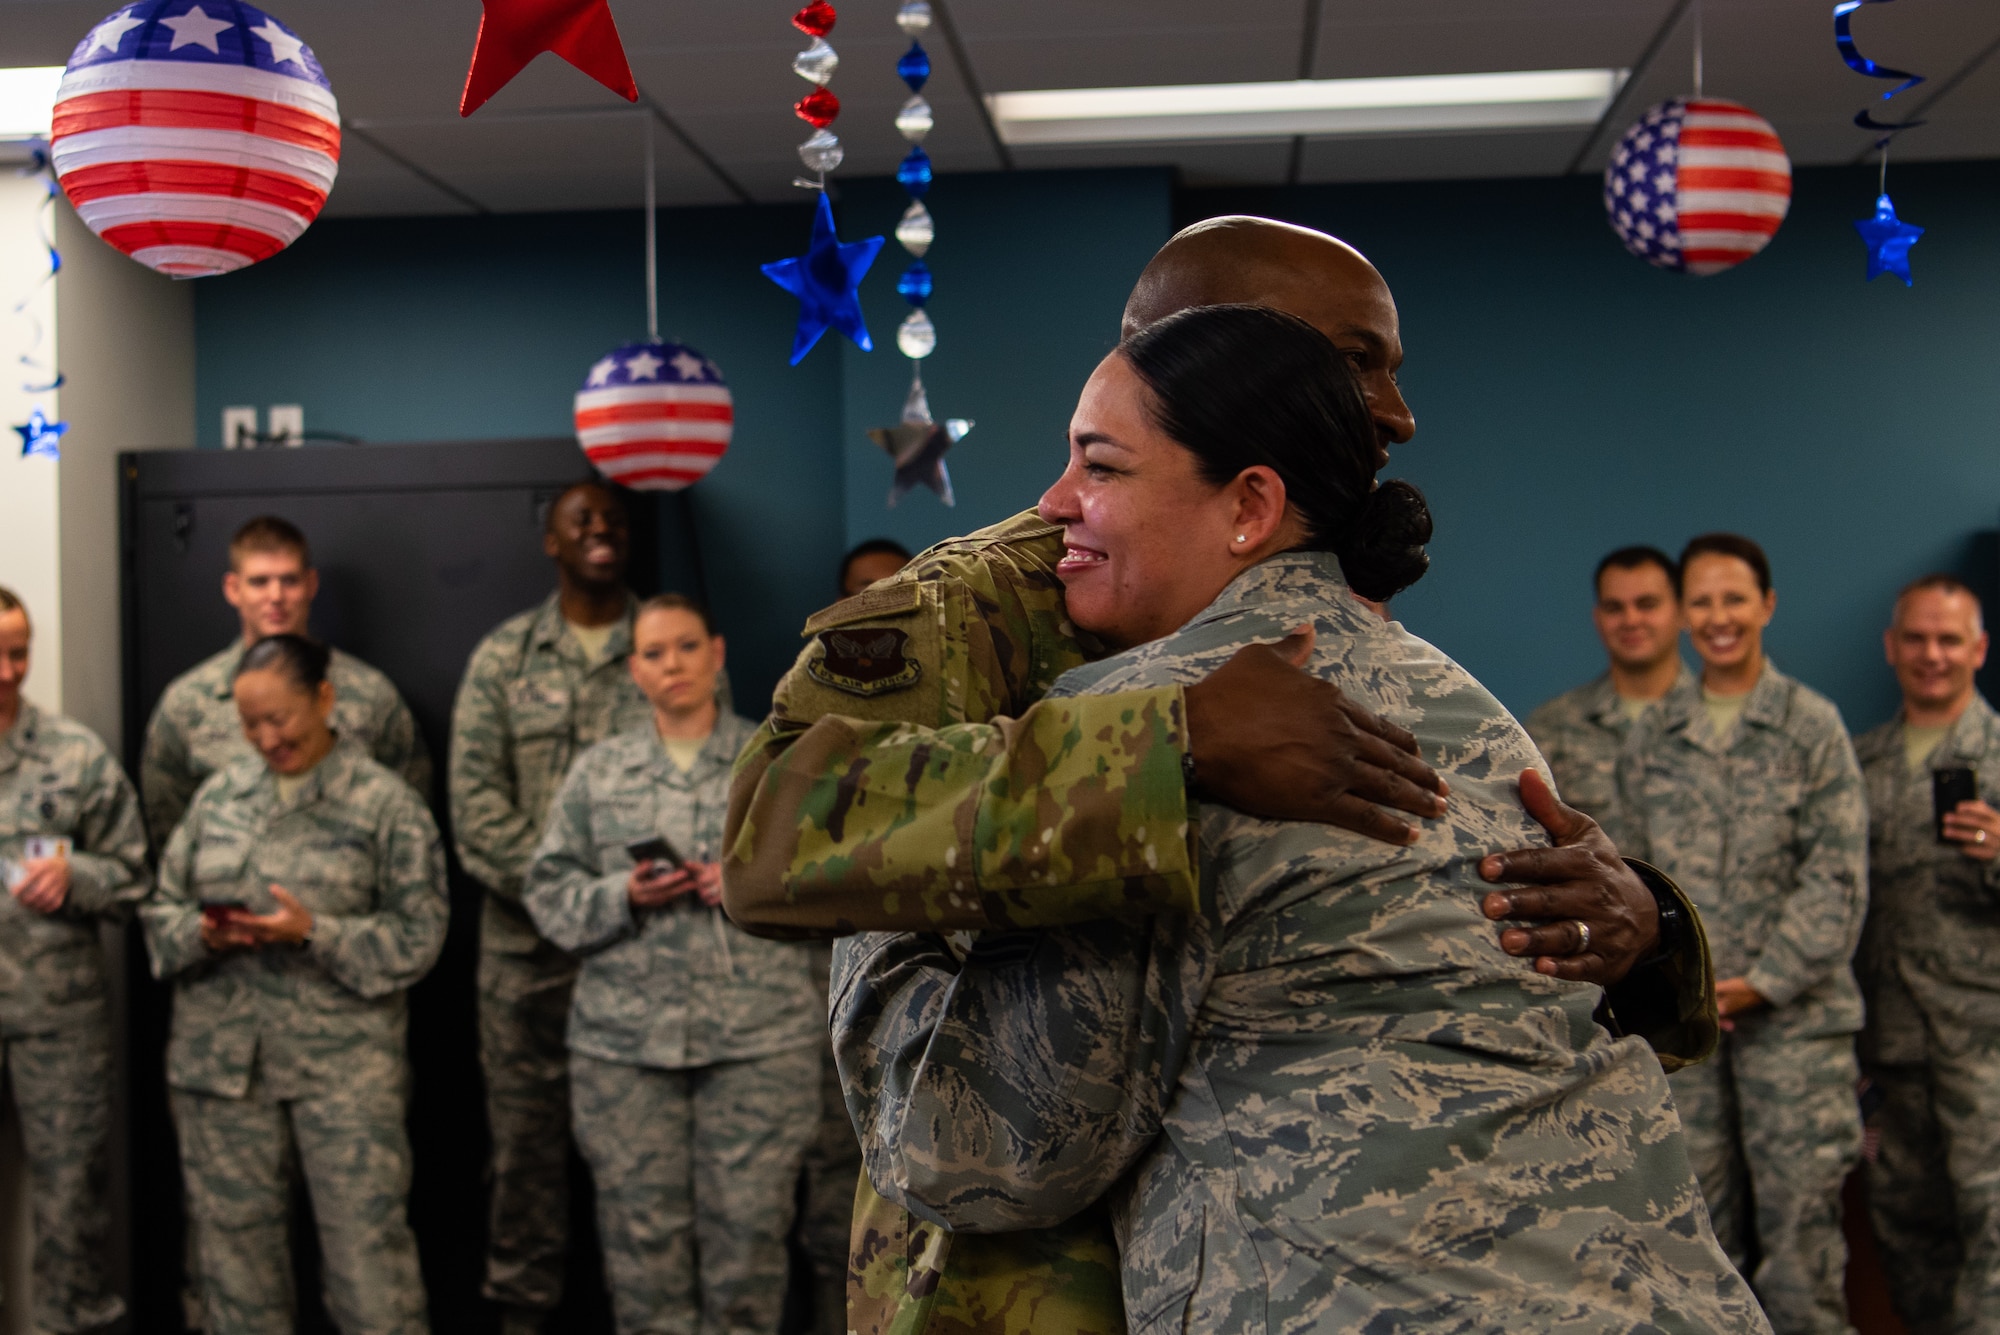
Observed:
{"x":195,"y":731}
{"x":1930,"y":968}
{"x":695,"y":1048}
{"x":58,"y":781}
{"x":911,"y":778}
{"x":286,"y":1056}
{"x":1327,"y":1102}
{"x":1580,"y":733}
{"x":531,"y":702}
{"x":1767,"y":830}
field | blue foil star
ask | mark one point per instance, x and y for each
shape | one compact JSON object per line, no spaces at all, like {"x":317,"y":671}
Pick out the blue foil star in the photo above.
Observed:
{"x":1889,"y":240}
{"x":40,"y":437}
{"x":825,"y":279}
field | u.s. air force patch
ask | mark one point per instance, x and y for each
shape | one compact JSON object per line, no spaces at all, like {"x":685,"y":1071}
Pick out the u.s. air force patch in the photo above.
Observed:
{"x":868,"y":660}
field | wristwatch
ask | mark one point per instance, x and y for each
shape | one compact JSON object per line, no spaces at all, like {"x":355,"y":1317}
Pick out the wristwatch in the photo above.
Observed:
{"x":1675,"y":929}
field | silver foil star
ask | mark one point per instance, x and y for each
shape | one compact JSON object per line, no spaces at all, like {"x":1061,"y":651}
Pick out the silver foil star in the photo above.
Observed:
{"x":918,"y":445}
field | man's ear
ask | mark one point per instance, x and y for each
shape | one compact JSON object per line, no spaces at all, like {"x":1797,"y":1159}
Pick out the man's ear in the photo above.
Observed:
{"x":232,"y":589}
{"x":311,"y":583}
{"x":549,"y":545}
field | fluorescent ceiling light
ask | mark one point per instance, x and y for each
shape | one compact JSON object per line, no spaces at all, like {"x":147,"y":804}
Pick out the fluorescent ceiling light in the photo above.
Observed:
{"x":1429,"y":103}
{"x":27,"y":100}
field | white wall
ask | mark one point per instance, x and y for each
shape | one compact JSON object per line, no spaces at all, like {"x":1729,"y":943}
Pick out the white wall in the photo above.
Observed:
{"x":127,"y":348}
{"x":30,"y":524}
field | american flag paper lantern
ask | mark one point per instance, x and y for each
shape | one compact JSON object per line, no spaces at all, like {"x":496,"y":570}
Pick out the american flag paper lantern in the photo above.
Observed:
{"x":655,"y":416}
{"x":197,"y":136}
{"x":1698,"y":185}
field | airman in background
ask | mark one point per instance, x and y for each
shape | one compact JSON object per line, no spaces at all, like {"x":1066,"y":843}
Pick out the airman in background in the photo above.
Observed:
{"x":1638,"y":616}
{"x":541,"y":689}
{"x":1929,"y":964}
{"x":72,"y":854}
{"x":299,"y":900}
{"x":1743,"y":787}
{"x":194,"y":732}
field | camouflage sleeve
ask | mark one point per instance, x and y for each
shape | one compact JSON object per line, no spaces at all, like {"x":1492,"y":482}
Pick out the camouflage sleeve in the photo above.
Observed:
{"x":108,"y":868}
{"x":169,"y":915}
{"x":573,"y":901}
{"x":495,"y":837}
{"x":1012,"y":1090}
{"x":1670,"y":1002}
{"x":399,"y":747}
{"x":1819,"y":925}
{"x":166,"y":785}
{"x":379,"y":953}
{"x":1074,"y":811}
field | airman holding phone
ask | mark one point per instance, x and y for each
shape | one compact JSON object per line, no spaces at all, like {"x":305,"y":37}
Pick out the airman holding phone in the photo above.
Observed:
{"x":695,"y":1049}
{"x":1930,"y":963}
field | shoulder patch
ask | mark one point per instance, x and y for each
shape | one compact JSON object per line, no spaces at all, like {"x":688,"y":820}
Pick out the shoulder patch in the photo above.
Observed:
{"x":886,"y":601}
{"x":869,"y":660}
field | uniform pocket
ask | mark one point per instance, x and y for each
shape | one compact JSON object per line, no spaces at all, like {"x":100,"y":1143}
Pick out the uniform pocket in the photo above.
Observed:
{"x":218,"y":869}
{"x":1162,"y":1265}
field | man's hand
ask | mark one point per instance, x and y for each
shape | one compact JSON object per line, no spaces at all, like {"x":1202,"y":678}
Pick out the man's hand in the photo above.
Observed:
{"x":1581,"y":882}
{"x":1735,"y":996}
{"x":1272,"y":740}
{"x":46,"y":885}
{"x":1974,"y":827}
{"x":653,"y":884}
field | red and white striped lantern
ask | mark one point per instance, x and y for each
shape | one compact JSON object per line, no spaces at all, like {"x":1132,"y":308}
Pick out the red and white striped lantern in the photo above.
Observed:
{"x":655,"y":416}
{"x":197,"y":136}
{"x":1698,"y":185}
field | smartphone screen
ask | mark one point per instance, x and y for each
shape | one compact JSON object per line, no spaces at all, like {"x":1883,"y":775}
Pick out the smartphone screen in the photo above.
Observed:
{"x":1949,"y":787}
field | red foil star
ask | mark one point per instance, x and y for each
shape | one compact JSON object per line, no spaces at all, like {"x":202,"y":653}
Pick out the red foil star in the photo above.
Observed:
{"x":514,"y":32}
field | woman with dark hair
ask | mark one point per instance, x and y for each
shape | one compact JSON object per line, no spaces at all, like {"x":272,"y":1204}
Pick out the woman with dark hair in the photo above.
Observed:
{"x":1323,"y":1103}
{"x":299,"y":900}
{"x":1743,"y":786}
{"x":694,"y":1048}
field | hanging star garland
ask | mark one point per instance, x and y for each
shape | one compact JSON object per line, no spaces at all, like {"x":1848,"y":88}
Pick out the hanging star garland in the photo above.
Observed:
{"x":41,"y":438}
{"x":826,"y":280}
{"x":1889,"y":239}
{"x":917,"y":445}
{"x":514,"y":32}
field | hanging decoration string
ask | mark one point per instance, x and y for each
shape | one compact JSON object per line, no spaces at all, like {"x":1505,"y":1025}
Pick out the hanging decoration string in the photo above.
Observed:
{"x":41,"y":438}
{"x":822,"y":152}
{"x":917,"y":337}
{"x":1887,"y":237}
{"x":652,"y":237}
{"x":1697,"y":48}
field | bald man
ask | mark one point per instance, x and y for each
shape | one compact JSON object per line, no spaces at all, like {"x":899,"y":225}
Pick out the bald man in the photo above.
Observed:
{"x":912,"y":779}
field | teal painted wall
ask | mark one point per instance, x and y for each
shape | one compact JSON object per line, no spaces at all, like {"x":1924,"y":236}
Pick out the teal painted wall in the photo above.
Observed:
{"x":1570,"y":400}
{"x":482,"y":328}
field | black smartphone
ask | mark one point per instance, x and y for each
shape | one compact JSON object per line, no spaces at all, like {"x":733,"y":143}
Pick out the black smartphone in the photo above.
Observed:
{"x":1949,"y":787}
{"x":656,"y":849}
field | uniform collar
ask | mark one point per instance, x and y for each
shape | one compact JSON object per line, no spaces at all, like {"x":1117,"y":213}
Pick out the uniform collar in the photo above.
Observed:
{"x":1603,"y":704}
{"x":1683,"y":710}
{"x":548,"y":630}
{"x":332,"y":775}
{"x":718,"y":752}
{"x":22,"y":740}
{"x":223,"y":687}
{"x":1970,"y":737}
{"x":1274,"y":579}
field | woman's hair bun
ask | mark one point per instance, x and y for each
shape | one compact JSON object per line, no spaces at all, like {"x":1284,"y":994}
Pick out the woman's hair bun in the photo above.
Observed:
{"x":1382,"y":553}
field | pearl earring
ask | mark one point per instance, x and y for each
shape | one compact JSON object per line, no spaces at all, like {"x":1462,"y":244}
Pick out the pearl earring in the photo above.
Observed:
{"x":1242,"y":538}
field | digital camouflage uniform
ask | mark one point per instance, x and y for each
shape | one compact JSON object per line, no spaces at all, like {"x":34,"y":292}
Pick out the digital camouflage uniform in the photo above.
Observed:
{"x":1580,"y":733}
{"x":286,"y":1056}
{"x":58,"y":781}
{"x":195,"y":731}
{"x":833,"y":1165}
{"x":1930,"y":969}
{"x":531,"y":702}
{"x":1767,"y":830}
{"x":695,"y":1048}
{"x":1329,"y":1101}
{"x":908,"y":779}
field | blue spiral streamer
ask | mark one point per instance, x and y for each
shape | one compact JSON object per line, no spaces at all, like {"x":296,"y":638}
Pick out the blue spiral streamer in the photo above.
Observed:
{"x":1843,"y":37}
{"x":38,"y":434}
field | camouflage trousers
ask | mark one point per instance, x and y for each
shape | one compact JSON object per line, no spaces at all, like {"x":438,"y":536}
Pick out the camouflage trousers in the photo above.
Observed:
{"x":833,"y":1163}
{"x":1773,"y":1130}
{"x":62,"y":1095}
{"x":700,"y":1163}
{"x":523,"y":1013}
{"x":353,"y":1150}
{"x":1934,"y":1189}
